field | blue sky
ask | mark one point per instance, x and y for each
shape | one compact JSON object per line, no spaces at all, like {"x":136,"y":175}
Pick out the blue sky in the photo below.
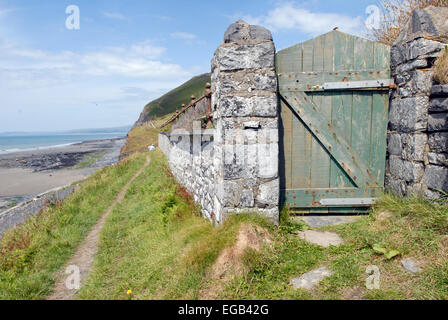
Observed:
{"x":127,"y":53}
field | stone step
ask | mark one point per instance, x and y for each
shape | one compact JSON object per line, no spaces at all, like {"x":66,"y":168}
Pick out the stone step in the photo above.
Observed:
{"x":321,"y":238}
{"x":322,"y":221}
{"x":410,"y":265}
{"x":310,"y":279}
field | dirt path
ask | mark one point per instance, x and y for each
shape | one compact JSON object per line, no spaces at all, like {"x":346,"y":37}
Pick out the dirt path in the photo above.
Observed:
{"x":85,"y":253}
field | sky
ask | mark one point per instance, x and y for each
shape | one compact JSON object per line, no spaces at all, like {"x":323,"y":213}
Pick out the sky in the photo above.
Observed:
{"x":128,"y":53}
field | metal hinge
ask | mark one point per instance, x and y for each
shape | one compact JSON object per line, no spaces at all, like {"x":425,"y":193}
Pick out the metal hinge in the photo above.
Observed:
{"x":366,"y":84}
{"x":348,"y":202}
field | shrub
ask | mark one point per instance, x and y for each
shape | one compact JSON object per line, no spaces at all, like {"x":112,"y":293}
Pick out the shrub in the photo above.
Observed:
{"x":396,"y":14}
{"x":441,"y":68}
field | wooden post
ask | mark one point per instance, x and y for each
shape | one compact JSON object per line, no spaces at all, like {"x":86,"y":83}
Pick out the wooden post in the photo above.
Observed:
{"x":208,"y":93}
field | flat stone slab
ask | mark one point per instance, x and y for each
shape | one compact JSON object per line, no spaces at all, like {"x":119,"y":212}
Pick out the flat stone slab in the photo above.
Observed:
{"x":310,"y":279}
{"x":321,"y":238}
{"x":410,"y":265}
{"x":322,"y":221}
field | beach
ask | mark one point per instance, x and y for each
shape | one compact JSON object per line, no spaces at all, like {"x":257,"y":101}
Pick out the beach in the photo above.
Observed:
{"x":23,"y":175}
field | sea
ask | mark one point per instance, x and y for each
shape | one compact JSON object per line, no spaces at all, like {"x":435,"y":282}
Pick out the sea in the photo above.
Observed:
{"x":16,"y":142}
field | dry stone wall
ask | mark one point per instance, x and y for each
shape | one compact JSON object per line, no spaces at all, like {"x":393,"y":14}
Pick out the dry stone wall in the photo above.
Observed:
{"x":245,"y":104}
{"x":20,"y":213}
{"x":418,"y":126}
{"x":234,"y":168}
{"x":190,"y":157}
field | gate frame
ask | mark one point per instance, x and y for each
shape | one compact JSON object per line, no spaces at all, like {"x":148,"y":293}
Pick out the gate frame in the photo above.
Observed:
{"x":294,"y":89}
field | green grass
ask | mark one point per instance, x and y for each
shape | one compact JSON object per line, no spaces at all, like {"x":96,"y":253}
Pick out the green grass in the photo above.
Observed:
{"x":90,"y":159}
{"x":415,"y":227}
{"x":156,"y":244}
{"x":441,"y":68}
{"x":173,"y":100}
{"x":138,"y":140}
{"x":31,"y":253}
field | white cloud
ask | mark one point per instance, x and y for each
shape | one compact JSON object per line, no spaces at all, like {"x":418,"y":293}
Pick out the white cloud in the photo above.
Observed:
{"x":289,"y":17}
{"x":183,"y":35}
{"x":141,"y":60}
{"x":113,"y":15}
{"x":62,"y":90}
{"x":45,"y":90}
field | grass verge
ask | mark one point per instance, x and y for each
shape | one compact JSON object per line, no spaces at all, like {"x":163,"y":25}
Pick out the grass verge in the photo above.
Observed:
{"x":138,"y":140}
{"x":414,"y":227}
{"x":155,"y":243}
{"x":90,"y":159}
{"x":31,"y":253}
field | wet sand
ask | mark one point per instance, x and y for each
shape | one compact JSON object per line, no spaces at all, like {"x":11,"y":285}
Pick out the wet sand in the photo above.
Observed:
{"x":23,"y":175}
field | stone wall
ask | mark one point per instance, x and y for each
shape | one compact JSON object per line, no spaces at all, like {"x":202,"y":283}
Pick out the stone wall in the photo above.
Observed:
{"x":235,"y":170}
{"x":245,"y":105}
{"x":190,"y":157}
{"x":418,"y":126}
{"x":20,"y":213}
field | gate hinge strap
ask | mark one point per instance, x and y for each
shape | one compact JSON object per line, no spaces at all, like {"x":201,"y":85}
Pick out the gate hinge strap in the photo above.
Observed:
{"x":348,"y":202}
{"x":381,"y":83}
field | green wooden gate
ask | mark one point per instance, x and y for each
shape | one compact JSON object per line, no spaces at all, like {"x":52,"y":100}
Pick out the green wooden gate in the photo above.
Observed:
{"x":334,"y":93}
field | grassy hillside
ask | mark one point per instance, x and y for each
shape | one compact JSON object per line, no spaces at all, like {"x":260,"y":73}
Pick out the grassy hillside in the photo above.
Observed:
{"x":172,"y":101}
{"x":138,"y":140}
{"x":33,"y":252}
{"x":155,"y":245}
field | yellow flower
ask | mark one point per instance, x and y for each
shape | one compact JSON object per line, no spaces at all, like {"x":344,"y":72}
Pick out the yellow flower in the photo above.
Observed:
{"x":129,"y":292}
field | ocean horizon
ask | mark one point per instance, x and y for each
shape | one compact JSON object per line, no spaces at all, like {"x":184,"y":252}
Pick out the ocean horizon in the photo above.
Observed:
{"x":28,"y":142}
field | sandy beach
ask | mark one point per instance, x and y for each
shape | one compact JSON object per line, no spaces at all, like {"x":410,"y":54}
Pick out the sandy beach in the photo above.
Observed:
{"x":26,"y":174}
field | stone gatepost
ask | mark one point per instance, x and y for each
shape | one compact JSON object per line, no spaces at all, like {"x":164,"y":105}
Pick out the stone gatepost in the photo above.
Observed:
{"x":245,"y":107}
{"x":418,"y":122}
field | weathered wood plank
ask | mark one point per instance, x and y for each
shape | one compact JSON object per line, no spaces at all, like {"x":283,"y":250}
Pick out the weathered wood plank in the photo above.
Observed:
{"x":287,"y":132}
{"x":338,"y":138}
{"x":344,"y":51}
{"x":307,"y":56}
{"x":362,"y":126}
{"x":313,"y":81}
{"x":328,"y":40}
{"x":310,"y":197}
{"x":330,"y":138}
{"x":301,"y":155}
{"x":380,"y":116}
{"x":318,"y":155}
{"x":289,"y":59}
{"x":320,"y":159}
{"x":341,"y":119}
{"x":327,"y":97}
{"x":364,"y":55}
{"x":381,"y":56}
{"x":318,"y":54}
{"x":378,"y":144}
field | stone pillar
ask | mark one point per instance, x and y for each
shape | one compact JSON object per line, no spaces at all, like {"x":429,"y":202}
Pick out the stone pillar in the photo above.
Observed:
{"x":245,"y":106}
{"x":411,"y":136}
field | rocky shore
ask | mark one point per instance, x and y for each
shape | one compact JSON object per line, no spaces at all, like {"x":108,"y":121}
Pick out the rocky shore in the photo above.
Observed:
{"x":23,"y":175}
